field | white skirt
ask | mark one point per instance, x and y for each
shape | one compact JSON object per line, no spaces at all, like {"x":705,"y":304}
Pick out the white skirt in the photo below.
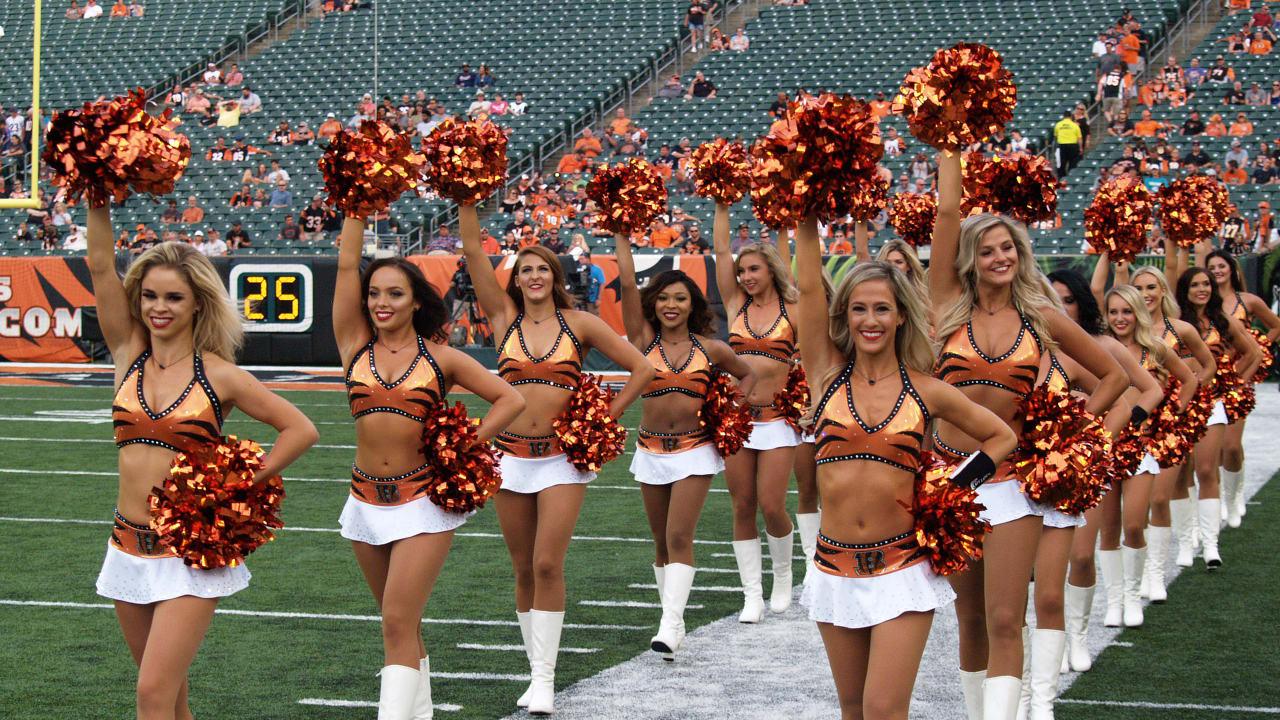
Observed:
{"x":1219,"y":414}
{"x":1005,"y":502}
{"x":532,"y":475}
{"x":770,"y":435}
{"x":1148,"y":465}
{"x":143,"y":581}
{"x":809,"y":438}
{"x":863,"y":602}
{"x":1055,"y":518}
{"x":381,"y":524}
{"x":665,"y":468}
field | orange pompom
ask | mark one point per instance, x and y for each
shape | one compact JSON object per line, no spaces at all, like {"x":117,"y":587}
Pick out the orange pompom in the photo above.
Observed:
{"x":1018,"y":185}
{"x":912,"y":215}
{"x":1193,"y":208}
{"x":721,"y":171}
{"x":1268,"y":354}
{"x":963,"y":96}
{"x":1128,"y":449}
{"x":1237,"y":394}
{"x":209,"y":511}
{"x":1119,"y":219}
{"x":466,"y":161}
{"x":866,"y":195}
{"x":464,"y":471}
{"x":725,"y":416}
{"x":590,"y":436}
{"x":364,"y":172}
{"x":108,"y":150}
{"x":808,"y":160}
{"x":630,"y":195}
{"x":1170,"y":436}
{"x":793,"y":400}
{"x":947,"y":518}
{"x":1060,"y":451}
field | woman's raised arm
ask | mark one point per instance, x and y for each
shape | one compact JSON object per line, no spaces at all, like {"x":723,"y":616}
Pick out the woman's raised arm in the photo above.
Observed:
{"x":350,"y":329}
{"x":639,"y":333}
{"x":494,"y":301}
{"x":944,"y":280}
{"x":119,"y":328}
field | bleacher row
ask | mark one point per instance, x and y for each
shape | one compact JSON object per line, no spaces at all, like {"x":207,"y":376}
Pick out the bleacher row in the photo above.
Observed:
{"x":571,"y":65}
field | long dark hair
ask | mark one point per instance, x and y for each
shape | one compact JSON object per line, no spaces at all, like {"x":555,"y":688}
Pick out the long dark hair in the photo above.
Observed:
{"x":431,"y":314}
{"x":1236,"y":283}
{"x":559,"y":295}
{"x":1090,"y":315}
{"x":701,"y":320}
{"x":1212,"y":309}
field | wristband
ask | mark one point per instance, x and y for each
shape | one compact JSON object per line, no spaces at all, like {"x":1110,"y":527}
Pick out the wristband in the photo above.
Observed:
{"x":975,"y":470}
{"x":1138,"y":416}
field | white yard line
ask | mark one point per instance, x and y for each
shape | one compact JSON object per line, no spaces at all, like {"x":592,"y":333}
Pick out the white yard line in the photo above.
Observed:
{"x":1175,"y":706}
{"x":325,"y":702}
{"x":631,"y":604}
{"x":520,"y":648}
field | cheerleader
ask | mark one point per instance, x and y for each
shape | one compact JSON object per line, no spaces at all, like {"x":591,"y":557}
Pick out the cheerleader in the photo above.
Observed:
{"x":1245,"y":307}
{"x":544,"y":343}
{"x":873,"y":593}
{"x":1171,"y":502}
{"x":808,"y":511}
{"x":173,"y":333}
{"x":985,"y":264}
{"x":675,"y":457}
{"x":898,"y":253}
{"x":396,"y":377}
{"x":757,"y":293}
{"x":1235,"y":351}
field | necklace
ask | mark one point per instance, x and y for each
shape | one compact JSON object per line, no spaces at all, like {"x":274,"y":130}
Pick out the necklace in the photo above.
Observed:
{"x":535,"y":322}
{"x":872,"y":381}
{"x":170,"y":364}
{"x":396,"y":350}
{"x":991,"y":312}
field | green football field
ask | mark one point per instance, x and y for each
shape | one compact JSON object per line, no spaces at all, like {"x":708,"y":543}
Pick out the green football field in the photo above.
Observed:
{"x":303,"y":640}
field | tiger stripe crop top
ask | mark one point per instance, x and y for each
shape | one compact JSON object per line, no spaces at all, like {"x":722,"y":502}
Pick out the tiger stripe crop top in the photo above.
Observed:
{"x":692,"y":378}
{"x":561,"y":367}
{"x":962,"y":363}
{"x":1174,"y":340}
{"x":420,"y":387}
{"x":1055,"y":379}
{"x":194,"y":419}
{"x":777,"y":343}
{"x":897,"y":440}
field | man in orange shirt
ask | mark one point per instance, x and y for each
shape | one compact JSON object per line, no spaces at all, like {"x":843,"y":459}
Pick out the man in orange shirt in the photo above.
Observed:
{"x":1234,"y":175}
{"x":588,"y":145}
{"x":1241,"y":127}
{"x":880,"y":107}
{"x":1146,"y":127}
{"x":1259,"y":45}
{"x":572,"y":163}
{"x":193,"y":212}
{"x":839,"y":244}
{"x":661,"y":235}
{"x":119,"y":9}
{"x":1153,"y":93}
{"x":329,"y":128}
{"x":1130,"y":47}
{"x":619,"y":127}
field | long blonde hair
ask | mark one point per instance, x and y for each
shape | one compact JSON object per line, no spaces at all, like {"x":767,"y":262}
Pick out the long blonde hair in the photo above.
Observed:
{"x":1028,"y":295}
{"x":915,"y":270}
{"x":1167,"y":304}
{"x":781,"y":273}
{"x":217,"y":327}
{"x":910,"y":340}
{"x":1143,"y":330}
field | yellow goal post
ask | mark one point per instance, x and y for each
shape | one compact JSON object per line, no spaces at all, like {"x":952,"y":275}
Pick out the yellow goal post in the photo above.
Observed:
{"x":33,"y":198}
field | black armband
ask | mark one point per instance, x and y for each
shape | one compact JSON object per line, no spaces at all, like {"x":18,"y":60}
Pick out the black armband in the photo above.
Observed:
{"x":1138,"y":416}
{"x":974,"y":471}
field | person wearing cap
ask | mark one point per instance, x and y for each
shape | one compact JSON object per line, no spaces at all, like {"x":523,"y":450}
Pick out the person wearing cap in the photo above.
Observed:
{"x":198,"y":103}
{"x":282,"y":135}
{"x":1263,"y":232}
{"x":465,"y":78}
{"x":671,"y":88}
{"x":228,"y":113}
{"x":119,"y":9}
{"x":212,"y":75}
{"x":237,"y":236}
{"x":1241,"y":127}
{"x":302,"y":136}
{"x":1235,"y":233}
{"x":1193,"y":125}
{"x":92,"y":10}
{"x":214,"y":245}
{"x":1237,"y":153}
{"x":478,"y":107}
{"x":1198,"y":157}
{"x":196,"y":240}
{"x":329,"y":128}
{"x":1221,"y":73}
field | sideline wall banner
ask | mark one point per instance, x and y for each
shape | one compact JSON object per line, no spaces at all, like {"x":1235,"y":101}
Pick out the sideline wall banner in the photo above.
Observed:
{"x":43,"y":304}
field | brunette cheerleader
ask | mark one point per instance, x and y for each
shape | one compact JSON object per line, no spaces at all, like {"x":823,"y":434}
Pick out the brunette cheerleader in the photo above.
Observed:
{"x":1234,"y":351}
{"x":870,"y":355}
{"x":543,"y":345}
{"x":383,"y":322}
{"x":173,"y":333}
{"x":757,"y":284}
{"x":985,"y":264}
{"x":675,"y":457}
{"x":1245,"y":307}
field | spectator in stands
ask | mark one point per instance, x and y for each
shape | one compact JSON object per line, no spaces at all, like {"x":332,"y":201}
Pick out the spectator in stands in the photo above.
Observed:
{"x":839,"y":243}
{"x":214,"y":246}
{"x":74,"y":12}
{"x":49,"y":238}
{"x":1195,"y":74}
{"x":893,"y":143}
{"x":485,"y":78}
{"x":1109,"y":93}
{"x":1265,"y":173}
{"x":212,"y":75}
{"x":619,"y":127}
{"x":237,"y":237}
{"x":60,"y":217}
{"x":682,"y":151}
{"x":1215,"y":128}
{"x":77,"y":239}
{"x":250,"y":103}
{"x":313,"y":220}
{"x":880,"y":107}
{"x":303,"y":135}
{"x":1172,"y":73}
{"x":588,"y":145}
{"x":671,"y":88}
{"x":1256,"y":96}
{"x":193,"y":213}
{"x":1108,"y":60}
{"x":1261,"y":42}
{"x":176,"y":98}
{"x":573,"y":163}
{"x":92,"y":9}
{"x":1234,"y":235}
{"x":1237,"y":42}
{"x":779,"y":106}
{"x":920,"y":167}
{"x":329,"y":128}
{"x":1234,"y":175}
{"x":1068,"y":136}
{"x":219,"y":152}
{"x":478,"y":107}
{"x":1198,"y":157}
{"x":695,"y":244}
{"x":277,"y":174}
{"x":1221,"y":73}
{"x":518,"y":106}
{"x":282,"y":135}
{"x":717,"y":42}
{"x":136,"y":9}
{"x":1234,"y":95}
{"x":1263,"y":231}
{"x":1193,"y":125}
{"x":1131,"y":49}
{"x":499,"y":106}
{"x":281,"y":197}
{"x":242,"y":198}
{"x":1241,"y":127}
{"x":1237,"y":154}
{"x":701,"y":87}
{"x":1153,"y":93}
{"x":739,"y":41}
{"x":289,"y":231}
{"x":119,"y":9}
{"x":234,"y":77}
{"x":228,"y":113}
{"x":198,"y":103}
{"x":171,"y":214}
{"x":1100,"y":45}
{"x":695,"y":19}
{"x":465,"y":78}
{"x":1262,"y":18}
{"x":1146,"y":127}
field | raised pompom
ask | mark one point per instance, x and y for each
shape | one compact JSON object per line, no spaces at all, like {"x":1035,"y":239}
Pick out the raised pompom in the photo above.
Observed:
{"x":1119,"y":219}
{"x":963,"y":96}
{"x":366,"y":171}
{"x":590,"y":436}
{"x":464,"y":471}
{"x":1193,"y":208}
{"x":912,"y":215}
{"x":630,"y":195}
{"x":721,"y":171}
{"x":209,"y":511}
{"x":1019,"y":185}
{"x":466,"y":161}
